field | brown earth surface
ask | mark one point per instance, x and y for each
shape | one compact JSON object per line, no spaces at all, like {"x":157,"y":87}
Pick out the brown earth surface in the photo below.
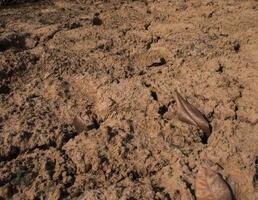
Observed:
{"x":117,"y":64}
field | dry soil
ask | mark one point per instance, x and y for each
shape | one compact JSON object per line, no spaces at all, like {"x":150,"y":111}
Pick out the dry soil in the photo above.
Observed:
{"x":117,"y":64}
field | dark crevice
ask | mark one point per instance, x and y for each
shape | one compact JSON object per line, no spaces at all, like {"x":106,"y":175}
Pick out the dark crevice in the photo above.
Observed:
{"x":26,"y":135}
{"x":159,"y":189}
{"x":146,"y":26}
{"x":236,"y":47}
{"x":152,"y":41}
{"x":188,"y":185}
{"x":50,"y":167}
{"x":96,"y":21}
{"x":154,"y":95}
{"x":255,"y":178}
{"x":210,"y":115}
{"x":162,"y":110}
{"x":204,"y":139}
{"x":94,"y":125}
{"x":52,"y":35}
{"x":172,"y":102}
{"x":160,"y":62}
{"x":111,"y":133}
{"x":134,"y":175}
{"x":236,"y":109}
{"x":43,"y":147}
{"x":67,"y":136}
{"x":128,"y":139}
{"x":11,"y":155}
{"x":141,"y":73}
{"x":205,"y":136}
{"x":220,"y":68}
{"x":147,"y":85}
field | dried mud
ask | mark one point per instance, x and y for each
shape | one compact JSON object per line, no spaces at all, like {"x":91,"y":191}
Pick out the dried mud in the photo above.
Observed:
{"x":117,"y":65}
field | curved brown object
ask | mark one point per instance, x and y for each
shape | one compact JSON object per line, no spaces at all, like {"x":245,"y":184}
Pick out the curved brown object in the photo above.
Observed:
{"x":79,"y":124}
{"x":209,"y":185}
{"x":189,"y":114}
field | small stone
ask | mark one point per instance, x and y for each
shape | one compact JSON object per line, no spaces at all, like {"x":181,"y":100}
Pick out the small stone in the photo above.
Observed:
{"x":82,"y":123}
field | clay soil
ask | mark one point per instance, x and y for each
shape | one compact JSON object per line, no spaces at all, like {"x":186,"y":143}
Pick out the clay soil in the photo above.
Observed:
{"x":117,"y":64}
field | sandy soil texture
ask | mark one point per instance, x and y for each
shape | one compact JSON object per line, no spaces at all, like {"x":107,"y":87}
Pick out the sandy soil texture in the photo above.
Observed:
{"x":117,"y":63}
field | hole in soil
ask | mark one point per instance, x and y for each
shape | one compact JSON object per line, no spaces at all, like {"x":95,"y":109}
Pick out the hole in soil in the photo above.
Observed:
{"x":236,"y":109}
{"x":205,"y":139}
{"x":96,"y":21}
{"x":236,"y":47}
{"x":146,"y":26}
{"x":50,"y":167}
{"x":26,"y":135}
{"x":220,"y":68}
{"x":154,"y":95}
{"x":162,"y":61}
{"x":162,"y":110}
